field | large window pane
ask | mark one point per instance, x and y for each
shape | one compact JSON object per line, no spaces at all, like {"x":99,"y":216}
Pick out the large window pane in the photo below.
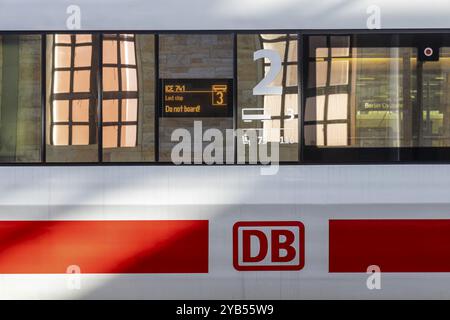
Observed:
{"x":435,"y":115}
{"x":268,"y":95}
{"x":128,"y":108}
{"x":197,"y":73}
{"x":359,"y":96}
{"x":72,"y":67}
{"x":377,"y":93}
{"x":380,"y":97}
{"x":20,"y":98}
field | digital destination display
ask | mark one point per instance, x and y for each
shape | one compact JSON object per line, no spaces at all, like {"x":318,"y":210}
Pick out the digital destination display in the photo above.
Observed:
{"x":197,"y":98}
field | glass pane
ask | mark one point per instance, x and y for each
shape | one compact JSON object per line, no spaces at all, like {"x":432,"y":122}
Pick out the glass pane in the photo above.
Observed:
{"x":110,"y":79}
{"x":315,"y":107}
{"x":337,"y":106}
{"x":61,"y":82}
{"x":20,"y":98}
{"x":127,"y":52}
{"x":109,"y":51}
{"x":435,"y":115}
{"x":61,"y":111}
{"x":72,"y":100}
{"x":321,"y":68}
{"x":82,"y":81}
{"x":128,"y":136}
{"x":314,"y":135}
{"x":339,"y":73}
{"x":129,"y":79}
{"x":129,"y":106}
{"x":197,"y":62}
{"x":291,"y":76}
{"x":80,"y":135}
{"x":366,"y":100}
{"x":83,"y":38}
{"x":80,"y":110}
{"x":267,"y":113}
{"x":83,"y":56}
{"x":129,"y":110}
{"x":110,"y":110}
{"x":63,"y":38}
{"x":61,"y":135}
{"x":337,"y":134}
{"x":110,"y":136}
{"x":63,"y":57}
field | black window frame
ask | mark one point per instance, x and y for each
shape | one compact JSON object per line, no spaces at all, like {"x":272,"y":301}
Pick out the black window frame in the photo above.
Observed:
{"x":307,"y":155}
{"x":372,"y":155}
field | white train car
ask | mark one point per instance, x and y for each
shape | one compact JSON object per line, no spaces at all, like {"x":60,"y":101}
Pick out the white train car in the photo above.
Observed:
{"x":313,"y":137}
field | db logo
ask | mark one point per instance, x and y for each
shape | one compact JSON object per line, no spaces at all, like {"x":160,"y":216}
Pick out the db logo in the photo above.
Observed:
{"x":268,"y":245}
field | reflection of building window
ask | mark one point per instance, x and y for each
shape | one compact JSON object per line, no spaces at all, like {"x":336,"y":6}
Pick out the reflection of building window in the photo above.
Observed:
{"x":327,"y":111}
{"x":282,"y":108}
{"x":120,"y":91}
{"x":73,"y":93}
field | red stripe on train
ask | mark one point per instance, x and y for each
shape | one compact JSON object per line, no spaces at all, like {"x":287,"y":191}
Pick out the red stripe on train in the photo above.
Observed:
{"x":173,"y":246}
{"x":393,"y":245}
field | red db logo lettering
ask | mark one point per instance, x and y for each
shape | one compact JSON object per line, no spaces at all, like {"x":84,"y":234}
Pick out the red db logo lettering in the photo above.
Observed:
{"x":268,"y":245}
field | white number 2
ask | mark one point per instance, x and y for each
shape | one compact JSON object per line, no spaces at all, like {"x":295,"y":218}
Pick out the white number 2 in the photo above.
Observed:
{"x":263,"y":88}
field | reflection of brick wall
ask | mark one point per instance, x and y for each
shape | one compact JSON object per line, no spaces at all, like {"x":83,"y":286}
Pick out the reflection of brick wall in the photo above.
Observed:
{"x":193,"y":56}
{"x":29,"y":112}
{"x":249,"y":74}
{"x":145,"y":149}
{"x":196,"y":56}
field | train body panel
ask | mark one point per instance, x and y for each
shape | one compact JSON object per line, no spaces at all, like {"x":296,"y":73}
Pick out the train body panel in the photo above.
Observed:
{"x":41,"y":202}
{"x":226,"y":15}
{"x":312,"y":195}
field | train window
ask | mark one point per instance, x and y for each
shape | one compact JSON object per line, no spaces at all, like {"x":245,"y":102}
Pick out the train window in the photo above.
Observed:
{"x":196,"y":73}
{"x":20,"y":98}
{"x":365,"y":98}
{"x":128,"y":106}
{"x":72,"y":67}
{"x":376,"y":98}
{"x":267,"y":96}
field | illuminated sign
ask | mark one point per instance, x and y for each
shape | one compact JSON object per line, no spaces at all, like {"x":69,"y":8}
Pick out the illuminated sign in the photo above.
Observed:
{"x":197,"y":98}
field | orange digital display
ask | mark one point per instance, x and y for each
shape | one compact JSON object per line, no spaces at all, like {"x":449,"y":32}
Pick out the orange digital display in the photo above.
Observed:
{"x":197,"y":98}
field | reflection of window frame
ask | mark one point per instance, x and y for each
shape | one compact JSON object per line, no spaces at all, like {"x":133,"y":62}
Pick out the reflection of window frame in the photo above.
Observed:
{"x":71,"y":96}
{"x":285,"y":63}
{"x":120,"y":95}
{"x":330,"y":89}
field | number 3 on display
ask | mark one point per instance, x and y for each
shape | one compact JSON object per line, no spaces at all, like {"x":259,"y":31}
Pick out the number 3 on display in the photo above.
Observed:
{"x":263,"y":88}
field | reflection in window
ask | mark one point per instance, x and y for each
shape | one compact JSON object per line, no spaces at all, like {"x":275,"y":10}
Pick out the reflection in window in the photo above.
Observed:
{"x":280,"y":112}
{"x":282,"y":107}
{"x":326,"y":112}
{"x":194,"y":56}
{"x":20,"y":98}
{"x":435,"y":115}
{"x":73,"y":91}
{"x":360,"y":96}
{"x":120,"y":91}
{"x":72,"y":103}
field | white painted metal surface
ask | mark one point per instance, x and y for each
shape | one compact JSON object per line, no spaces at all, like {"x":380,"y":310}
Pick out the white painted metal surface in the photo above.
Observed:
{"x":222,"y":14}
{"x":224,"y":195}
